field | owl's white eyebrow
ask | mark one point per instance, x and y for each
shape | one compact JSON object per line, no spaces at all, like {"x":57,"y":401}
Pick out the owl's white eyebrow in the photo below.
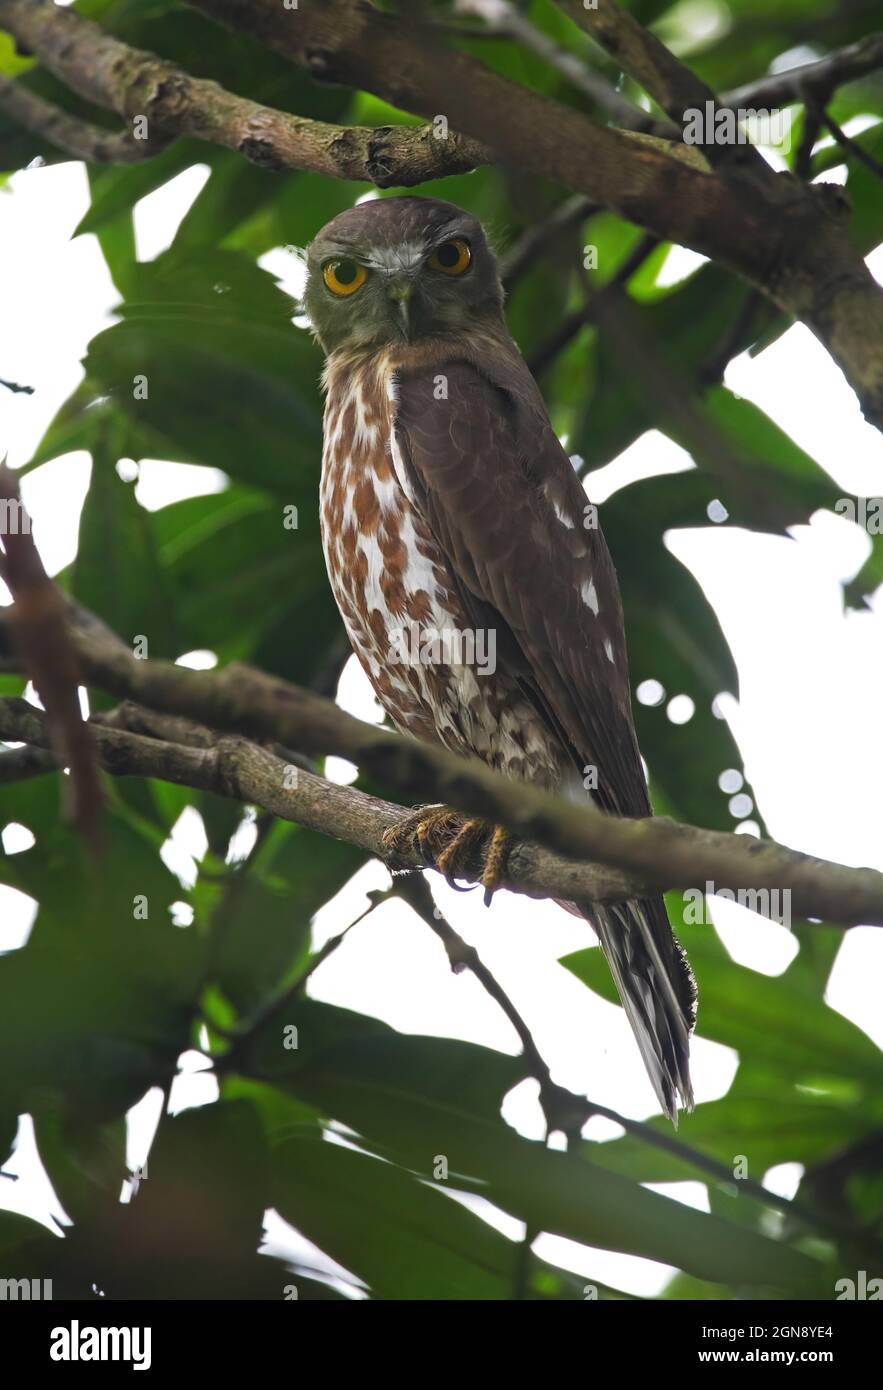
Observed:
{"x":405,"y":256}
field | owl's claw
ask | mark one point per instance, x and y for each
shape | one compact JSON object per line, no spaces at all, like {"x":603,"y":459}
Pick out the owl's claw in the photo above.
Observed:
{"x":422,"y":833}
{"x":495,"y":860}
{"x":456,"y":844}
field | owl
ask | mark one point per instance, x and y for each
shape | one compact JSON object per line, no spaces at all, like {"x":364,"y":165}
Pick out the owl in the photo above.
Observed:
{"x":469,"y":569}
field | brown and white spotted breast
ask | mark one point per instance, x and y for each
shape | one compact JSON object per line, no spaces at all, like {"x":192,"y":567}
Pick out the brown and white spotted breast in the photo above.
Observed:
{"x":390,"y":578}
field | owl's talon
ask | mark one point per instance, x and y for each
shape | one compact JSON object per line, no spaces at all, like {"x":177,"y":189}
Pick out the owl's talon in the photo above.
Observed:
{"x":455,"y":844}
{"x":460,"y":853}
{"x":495,"y":862}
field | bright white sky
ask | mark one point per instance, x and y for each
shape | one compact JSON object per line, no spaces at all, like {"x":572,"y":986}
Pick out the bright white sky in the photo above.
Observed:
{"x":807,"y":719}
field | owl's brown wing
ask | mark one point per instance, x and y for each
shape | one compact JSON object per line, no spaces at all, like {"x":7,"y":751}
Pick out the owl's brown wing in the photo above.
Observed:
{"x":477,"y":455}
{"x":500,"y":495}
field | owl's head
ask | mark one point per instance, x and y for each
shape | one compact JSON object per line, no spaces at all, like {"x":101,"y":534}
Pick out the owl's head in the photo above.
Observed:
{"x":394,"y":270}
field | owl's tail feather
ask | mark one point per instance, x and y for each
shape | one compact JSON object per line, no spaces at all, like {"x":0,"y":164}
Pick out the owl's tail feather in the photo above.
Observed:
{"x":657,"y":990}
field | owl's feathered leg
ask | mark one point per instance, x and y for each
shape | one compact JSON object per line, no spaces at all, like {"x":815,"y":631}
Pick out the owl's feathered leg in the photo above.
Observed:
{"x":459,"y":846}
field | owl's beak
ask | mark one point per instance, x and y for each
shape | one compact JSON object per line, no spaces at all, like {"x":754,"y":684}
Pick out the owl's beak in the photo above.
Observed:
{"x":401,"y":292}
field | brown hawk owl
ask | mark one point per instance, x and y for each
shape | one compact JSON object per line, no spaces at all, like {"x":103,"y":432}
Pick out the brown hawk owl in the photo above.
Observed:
{"x":453,"y":521}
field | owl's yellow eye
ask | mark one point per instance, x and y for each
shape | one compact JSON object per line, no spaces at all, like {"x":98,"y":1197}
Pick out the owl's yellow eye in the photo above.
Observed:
{"x":344,"y":277}
{"x":452,"y":257}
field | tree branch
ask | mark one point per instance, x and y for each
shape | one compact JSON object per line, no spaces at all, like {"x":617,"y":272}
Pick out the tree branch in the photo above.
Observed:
{"x":823,"y":76}
{"x":240,"y":769}
{"x":502,"y":17}
{"x":192,"y":756}
{"x":538,"y":239}
{"x":787,"y":239}
{"x":565,"y":1110}
{"x":79,"y":139}
{"x":135,"y":83}
{"x":663,"y":76}
{"x":843,"y":140}
{"x":235,"y":767}
{"x":655,"y":853}
{"x":37,"y":632}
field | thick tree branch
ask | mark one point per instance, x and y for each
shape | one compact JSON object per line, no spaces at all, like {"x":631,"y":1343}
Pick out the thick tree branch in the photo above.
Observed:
{"x":192,"y":756}
{"x":18,"y":764}
{"x":787,"y":239}
{"x":135,"y":83}
{"x":79,"y":139}
{"x":656,"y":852}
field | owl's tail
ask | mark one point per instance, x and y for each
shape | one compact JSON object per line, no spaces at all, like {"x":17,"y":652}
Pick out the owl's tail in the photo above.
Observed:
{"x":656,"y":986}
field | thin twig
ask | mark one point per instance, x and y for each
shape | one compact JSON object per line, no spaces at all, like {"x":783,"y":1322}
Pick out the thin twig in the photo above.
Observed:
{"x":847,"y":143}
{"x":567,"y":1112}
{"x":502,"y":17}
{"x":563,"y":1110}
{"x":823,"y":76}
{"x":567,"y":330}
{"x":540,"y":238}
{"x":16,"y":387}
{"x":245,"y":1033}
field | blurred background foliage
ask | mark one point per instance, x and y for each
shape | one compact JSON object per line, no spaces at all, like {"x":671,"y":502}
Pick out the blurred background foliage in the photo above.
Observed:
{"x":96,"y":1008}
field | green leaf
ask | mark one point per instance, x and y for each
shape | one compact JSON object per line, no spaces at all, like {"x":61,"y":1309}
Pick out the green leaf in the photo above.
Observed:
{"x":261,"y":923}
{"x":26,"y":1248}
{"x":192,"y":1229}
{"x":84,"y":1158}
{"x":415,"y":1099}
{"x":117,"y":572}
{"x":334,"y":1040}
{"x":209,"y":335}
{"x":552,"y":1191}
{"x":406,"y":1240}
{"x":116,"y":189}
{"x":247,"y":587}
{"x":98,"y":1004}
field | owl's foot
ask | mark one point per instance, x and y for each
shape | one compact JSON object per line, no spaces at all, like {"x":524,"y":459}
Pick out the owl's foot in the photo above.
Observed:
{"x":424,"y":832}
{"x":459,"y":846}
